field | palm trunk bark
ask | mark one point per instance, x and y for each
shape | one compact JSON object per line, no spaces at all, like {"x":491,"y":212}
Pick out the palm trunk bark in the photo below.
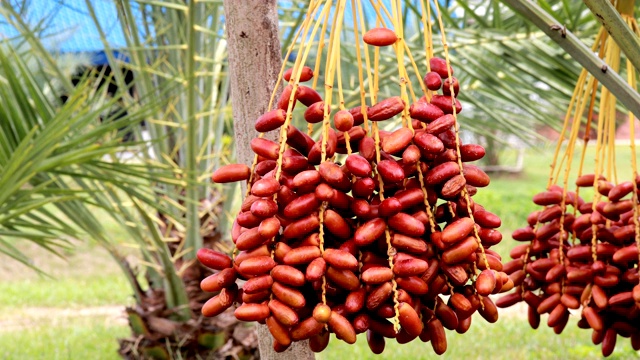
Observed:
{"x":254,"y":64}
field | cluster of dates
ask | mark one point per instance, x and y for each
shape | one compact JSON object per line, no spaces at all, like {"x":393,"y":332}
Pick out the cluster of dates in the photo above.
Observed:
{"x":365,"y":246}
{"x":596,"y":274}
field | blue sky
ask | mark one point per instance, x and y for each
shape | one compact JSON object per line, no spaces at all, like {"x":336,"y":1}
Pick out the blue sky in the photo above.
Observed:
{"x":68,"y":26}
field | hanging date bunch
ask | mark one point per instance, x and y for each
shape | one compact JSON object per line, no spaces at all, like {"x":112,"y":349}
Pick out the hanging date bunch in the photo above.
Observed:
{"x":580,"y":250}
{"x":359,"y":229}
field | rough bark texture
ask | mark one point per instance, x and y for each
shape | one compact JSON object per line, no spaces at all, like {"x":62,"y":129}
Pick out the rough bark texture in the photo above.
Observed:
{"x":254,"y":64}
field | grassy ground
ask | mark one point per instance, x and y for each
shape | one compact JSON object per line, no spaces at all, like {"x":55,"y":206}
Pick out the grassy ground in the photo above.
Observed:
{"x":76,"y":338}
{"x":510,"y":338}
{"x":75,"y":314}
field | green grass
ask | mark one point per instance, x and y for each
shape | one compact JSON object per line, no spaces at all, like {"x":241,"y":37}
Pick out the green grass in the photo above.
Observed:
{"x":77,"y":338}
{"x":88,"y":277}
{"x":40,"y":315}
{"x":510,"y":338}
{"x":64,"y":293}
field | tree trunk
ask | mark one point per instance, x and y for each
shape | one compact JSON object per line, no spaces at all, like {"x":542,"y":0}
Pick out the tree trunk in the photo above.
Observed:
{"x":254,"y":64}
{"x":493,"y":152}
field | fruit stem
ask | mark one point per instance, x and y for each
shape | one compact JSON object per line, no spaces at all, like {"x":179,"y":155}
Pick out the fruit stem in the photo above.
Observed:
{"x":617,"y":27}
{"x":581,"y":53}
{"x":456,"y":127}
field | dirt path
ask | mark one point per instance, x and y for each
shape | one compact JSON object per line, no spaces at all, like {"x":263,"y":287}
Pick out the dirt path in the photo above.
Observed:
{"x":38,"y":316}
